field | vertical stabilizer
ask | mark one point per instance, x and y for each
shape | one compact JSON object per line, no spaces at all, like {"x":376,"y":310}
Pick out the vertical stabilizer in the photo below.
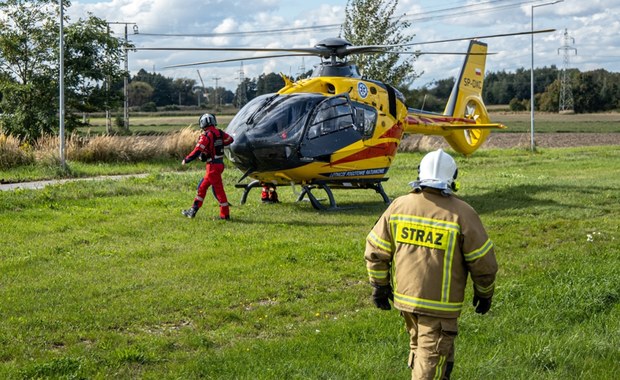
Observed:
{"x":470,"y":80}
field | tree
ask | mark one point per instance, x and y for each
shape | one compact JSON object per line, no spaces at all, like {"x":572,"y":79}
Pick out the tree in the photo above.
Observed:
{"x":182,"y":87}
{"x":29,"y":68}
{"x":163,"y":88}
{"x":588,"y":93}
{"x":549,"y":101}
{"x":371,"y":22}
{"x":268,"y":83}
{"x":139,"y":93}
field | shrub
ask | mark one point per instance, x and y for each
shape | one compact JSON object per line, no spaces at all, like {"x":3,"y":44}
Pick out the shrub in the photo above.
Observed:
{"x":14,"y":153}
{"x":517,"y":105}
{"x":149,"y":107}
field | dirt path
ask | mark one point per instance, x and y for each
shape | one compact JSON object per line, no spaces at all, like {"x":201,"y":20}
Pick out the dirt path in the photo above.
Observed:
{"x":37,"y":185}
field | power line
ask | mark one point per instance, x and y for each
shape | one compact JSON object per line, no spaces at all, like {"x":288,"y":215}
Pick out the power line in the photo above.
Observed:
{"x":449,"y":12}
{"x":248,"y":33}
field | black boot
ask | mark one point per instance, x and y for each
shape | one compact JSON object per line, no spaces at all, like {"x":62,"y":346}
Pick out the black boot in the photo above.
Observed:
{"x":190,"y":212}
{"x":449,"y":368}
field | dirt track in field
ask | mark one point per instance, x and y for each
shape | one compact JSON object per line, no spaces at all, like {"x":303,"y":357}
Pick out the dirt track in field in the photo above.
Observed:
{"x":517,"y":140}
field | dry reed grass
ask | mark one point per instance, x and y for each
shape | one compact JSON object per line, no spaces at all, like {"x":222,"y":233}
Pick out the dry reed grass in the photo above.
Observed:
{"x":14,"y":153}
{"x":107,"y":148}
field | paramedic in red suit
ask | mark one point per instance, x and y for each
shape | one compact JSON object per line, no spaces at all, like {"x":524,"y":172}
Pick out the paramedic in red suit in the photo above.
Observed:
{"x":210,"y":148}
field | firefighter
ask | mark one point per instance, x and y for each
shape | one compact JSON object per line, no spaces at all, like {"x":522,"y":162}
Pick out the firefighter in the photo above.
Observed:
{"x":210,"y":148}
{"x":419,"y":254}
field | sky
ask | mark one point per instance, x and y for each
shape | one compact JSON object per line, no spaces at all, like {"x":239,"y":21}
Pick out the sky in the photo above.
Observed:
{"x":586,"y":32}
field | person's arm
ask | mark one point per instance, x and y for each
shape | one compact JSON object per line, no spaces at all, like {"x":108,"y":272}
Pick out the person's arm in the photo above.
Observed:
{"x":200,"y":147}
{"x":378,"y":256}
{"x":226,"y":138}
{"x":479,"y":254}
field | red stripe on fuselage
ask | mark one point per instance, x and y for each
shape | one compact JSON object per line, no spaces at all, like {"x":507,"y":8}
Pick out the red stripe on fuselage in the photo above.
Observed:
{"x":396,"y":132}
{"x":379,"y":150}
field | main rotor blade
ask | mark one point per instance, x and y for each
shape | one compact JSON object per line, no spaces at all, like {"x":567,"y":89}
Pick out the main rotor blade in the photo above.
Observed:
{"x":330,"y":48}
{"x":313,"y":51}
{"x":238,"y":59}
{"x":418,"y":52}
{"x":478,"y":37}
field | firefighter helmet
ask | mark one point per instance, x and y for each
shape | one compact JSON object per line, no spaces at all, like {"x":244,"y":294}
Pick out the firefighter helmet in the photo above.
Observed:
{"x":438,"y":170}
{"x":207,"y":120}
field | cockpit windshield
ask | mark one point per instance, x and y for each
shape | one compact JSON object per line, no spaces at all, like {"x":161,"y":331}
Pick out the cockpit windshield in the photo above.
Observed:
{"x":273,"y":114}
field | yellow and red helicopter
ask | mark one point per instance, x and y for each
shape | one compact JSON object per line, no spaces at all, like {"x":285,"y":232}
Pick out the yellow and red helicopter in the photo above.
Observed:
{"x":338,"y":129}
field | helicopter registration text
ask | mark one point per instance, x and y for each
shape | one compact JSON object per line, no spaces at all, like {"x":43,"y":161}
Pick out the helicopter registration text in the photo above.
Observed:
{"x":423,"y":235}
{"x":473,"y":83}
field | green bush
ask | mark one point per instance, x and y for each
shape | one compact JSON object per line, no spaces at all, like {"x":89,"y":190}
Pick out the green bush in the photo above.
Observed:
{"x":517,"y":105}
{"x":149,"y":107}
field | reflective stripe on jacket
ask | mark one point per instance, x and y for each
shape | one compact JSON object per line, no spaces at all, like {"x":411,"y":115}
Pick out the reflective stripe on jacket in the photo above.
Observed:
{"x":426,"y":244}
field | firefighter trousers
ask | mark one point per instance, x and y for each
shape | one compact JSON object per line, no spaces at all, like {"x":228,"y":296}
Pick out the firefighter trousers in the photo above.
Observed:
{"x":213,"y":177}
{"x":431,"y":344}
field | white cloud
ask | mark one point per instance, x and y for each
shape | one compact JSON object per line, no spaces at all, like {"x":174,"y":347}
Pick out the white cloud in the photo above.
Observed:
{"x":593,"y":24}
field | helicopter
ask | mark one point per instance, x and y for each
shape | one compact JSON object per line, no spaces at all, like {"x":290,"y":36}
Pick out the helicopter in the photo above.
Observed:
{"x":340,"y":130}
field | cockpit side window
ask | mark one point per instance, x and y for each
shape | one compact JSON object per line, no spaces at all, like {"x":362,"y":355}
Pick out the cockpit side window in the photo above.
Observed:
{"x":365,"y":119}
{"x":332,"y":115}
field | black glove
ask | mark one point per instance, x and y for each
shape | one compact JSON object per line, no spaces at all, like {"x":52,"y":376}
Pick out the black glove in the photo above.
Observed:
{"x":381,"y":294}
{"x":482,"y":305}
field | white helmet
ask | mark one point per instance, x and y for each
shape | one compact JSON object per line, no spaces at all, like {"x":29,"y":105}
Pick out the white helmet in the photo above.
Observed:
{"x":207,"y":120}
{"x":437,"y":170}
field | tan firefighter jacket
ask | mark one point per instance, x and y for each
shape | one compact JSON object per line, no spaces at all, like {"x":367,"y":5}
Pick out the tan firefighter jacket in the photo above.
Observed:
{"x":425,"y":244}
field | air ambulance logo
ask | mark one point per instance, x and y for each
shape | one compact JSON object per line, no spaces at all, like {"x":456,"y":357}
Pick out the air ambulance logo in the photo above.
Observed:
{"x":362,"y":90}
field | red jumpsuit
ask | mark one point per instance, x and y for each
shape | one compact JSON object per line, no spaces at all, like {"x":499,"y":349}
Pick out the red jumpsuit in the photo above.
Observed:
{"x":211,"y":146}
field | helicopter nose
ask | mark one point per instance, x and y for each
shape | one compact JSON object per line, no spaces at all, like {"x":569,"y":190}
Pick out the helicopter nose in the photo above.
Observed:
{"x":241,"y":152}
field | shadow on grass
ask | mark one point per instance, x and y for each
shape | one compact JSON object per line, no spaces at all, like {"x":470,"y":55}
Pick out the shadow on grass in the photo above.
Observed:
{"x":518,"y":199}
{"x":531,"y":196}
{"x":307,"y":216}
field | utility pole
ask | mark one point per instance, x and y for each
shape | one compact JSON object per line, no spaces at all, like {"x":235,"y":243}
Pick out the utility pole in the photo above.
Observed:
{"x":566,"y":92}
{"x":108,"y":123}
{"x":302,"y":68}
{"x":61,"y":87}
{"x":242,"y":97}
{"x":202,"y":89}
{"x":126,"y":79}
{"x":217,"y":106}
{"x":532,"y":95}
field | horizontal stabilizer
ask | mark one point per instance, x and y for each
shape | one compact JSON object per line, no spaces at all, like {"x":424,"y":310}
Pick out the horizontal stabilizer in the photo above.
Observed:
{"x":474,"y":126}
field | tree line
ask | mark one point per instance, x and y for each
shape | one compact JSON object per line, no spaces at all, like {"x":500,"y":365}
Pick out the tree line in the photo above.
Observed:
{"x":592,"y":91}
{"x":153,"y":91}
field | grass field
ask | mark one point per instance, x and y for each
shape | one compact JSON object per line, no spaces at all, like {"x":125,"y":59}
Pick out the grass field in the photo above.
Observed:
{"x":106,"y":280}
{"x":553,"y":122}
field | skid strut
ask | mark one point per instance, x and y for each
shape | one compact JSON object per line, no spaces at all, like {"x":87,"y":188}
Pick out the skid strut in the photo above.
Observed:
{"x":307,"y":189}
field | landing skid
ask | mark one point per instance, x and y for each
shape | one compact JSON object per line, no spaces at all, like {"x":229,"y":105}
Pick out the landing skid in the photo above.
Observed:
{"x":327,"y":186}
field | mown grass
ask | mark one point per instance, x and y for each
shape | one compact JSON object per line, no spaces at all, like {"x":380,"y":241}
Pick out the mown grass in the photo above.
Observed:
{"x":107,"y":280}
